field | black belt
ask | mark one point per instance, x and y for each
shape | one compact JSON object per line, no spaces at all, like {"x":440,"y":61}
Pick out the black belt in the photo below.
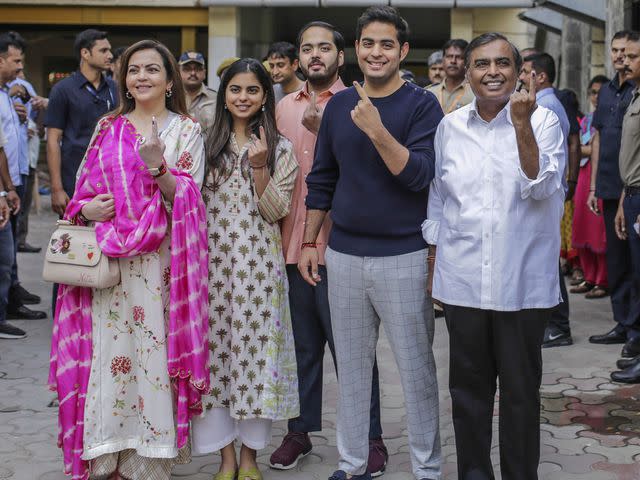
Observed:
{"x":628,"y":191}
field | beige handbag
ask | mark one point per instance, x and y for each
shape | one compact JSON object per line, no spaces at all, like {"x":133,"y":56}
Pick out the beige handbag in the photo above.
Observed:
{"x":74,"y":258}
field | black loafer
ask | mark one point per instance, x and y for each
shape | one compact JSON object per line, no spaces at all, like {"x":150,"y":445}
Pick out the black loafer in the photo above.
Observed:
{"x":26,"y":248}
{"x":631,"y":348}
{"x":628,"y":375}
{"x":625,"y":363}
{"x":19,"y":295}
{"x":25,"y":313}
{"x":609,"y":338}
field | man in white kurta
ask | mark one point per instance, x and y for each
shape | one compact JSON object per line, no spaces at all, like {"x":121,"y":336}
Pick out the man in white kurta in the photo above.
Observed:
{"x":493,"y":228}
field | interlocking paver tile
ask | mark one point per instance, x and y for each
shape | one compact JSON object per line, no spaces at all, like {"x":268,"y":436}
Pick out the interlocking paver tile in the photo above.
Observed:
{"x":629,"y":471}
{"x":562,"y":475}
{"x":585,"y":384}
{"x":605,"y":440}
{"x":575,"y":463}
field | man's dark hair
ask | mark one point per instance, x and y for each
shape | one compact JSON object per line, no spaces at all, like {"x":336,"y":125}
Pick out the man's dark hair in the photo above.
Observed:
{"x":458,"y":43}
{"x":283,"y":50}
{"x":543,"y":62}
{"x":486,"y":38}
{"x":633,"y":36}
{"x":622,"y":34}
{"x":338,"y":39}
{"x":11,"y":39}
{"x":87,"y":39}
{"x":384,"y":14}
{"x":117,"y":53}
{"x":602,"y":79}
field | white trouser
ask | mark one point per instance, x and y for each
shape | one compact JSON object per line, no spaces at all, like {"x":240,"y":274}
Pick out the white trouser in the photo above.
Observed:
{"x":217,"y":429}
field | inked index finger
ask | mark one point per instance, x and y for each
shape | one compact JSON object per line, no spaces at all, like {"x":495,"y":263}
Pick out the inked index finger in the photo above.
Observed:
{"x":532,"y":85}
{"x":263,"y":136}
{"x":360,"y":90}
{"x":154,"y":127}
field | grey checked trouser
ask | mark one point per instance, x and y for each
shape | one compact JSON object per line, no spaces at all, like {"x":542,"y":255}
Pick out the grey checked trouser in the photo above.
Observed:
{"x":362,"y":292}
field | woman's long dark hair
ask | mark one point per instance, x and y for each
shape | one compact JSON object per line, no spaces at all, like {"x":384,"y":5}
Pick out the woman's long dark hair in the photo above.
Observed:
{"x":176,"y":102}
{"x":218,"y":142}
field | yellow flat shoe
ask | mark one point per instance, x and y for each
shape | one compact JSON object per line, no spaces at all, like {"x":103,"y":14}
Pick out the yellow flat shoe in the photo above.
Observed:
{"x":251,"y":473}
{"x":225,"y":476}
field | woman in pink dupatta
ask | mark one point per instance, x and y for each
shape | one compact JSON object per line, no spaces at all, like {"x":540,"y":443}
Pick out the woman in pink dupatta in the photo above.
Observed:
{"x":129,"y":363}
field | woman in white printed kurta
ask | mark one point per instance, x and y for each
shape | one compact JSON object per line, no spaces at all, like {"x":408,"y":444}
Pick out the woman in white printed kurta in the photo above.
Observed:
{"x":251,"y":348}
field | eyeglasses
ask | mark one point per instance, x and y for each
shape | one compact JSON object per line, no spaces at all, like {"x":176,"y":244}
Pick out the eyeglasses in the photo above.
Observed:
{"x":593,"y":92}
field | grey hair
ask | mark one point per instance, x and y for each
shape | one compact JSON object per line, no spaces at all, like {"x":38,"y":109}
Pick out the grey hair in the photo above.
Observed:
{"x":486,"y":38}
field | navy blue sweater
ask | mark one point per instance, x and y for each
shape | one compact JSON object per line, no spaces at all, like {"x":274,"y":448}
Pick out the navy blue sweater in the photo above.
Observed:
{"x":374,"y":212}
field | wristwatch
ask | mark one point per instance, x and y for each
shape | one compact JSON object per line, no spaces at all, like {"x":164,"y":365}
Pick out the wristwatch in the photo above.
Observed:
{"x":159,"y":171}
{"x":3,"y":193}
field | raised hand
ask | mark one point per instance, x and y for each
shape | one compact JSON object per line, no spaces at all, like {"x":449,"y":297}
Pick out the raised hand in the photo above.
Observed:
{"x":523,"y":104}
{"x":312,"y":116}
{"x":258,"y":149}
{"x":365,"y":115}
{"x":100,"y":209}
{"x":152,"y":149}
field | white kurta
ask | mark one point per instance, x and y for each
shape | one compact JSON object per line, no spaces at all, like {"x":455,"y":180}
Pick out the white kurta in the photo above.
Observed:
{"x":129,"y":399}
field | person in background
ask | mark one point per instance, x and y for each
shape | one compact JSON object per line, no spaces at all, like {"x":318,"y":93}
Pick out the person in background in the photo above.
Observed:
{"x":283,"y":64}
{"x":588,"y":232}
{"x":627,"y":221}
{"x":436,"y":67}
{"x":7,"y":330}
{"x":224,"y":64}
{"x":114,"y":69}
{"x":75,"y":105}
{"x":298,"y":116}
{"x":606,"y":185}
{"x":454,"y":92}
{"x":201,"y":100}
{"x":558,"y":332}
{"x":34,"y":105}
{"x":247,"y":191}
{"x":13,"y":118}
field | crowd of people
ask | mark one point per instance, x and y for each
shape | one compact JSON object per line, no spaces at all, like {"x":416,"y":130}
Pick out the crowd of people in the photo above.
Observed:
{"x":288,"y":211}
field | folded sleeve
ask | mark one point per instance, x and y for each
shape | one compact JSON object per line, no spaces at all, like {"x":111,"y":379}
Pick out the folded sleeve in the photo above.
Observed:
{"x":552,"y":159}
{"x":275,"y":201}
{"x":418,"y":172}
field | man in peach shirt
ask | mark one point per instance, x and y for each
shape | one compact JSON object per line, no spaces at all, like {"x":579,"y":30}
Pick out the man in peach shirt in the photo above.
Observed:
{"x":298,"y":115}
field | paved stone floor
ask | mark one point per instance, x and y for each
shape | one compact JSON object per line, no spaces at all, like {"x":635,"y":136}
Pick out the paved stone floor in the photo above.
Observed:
{"x":590,"y":427}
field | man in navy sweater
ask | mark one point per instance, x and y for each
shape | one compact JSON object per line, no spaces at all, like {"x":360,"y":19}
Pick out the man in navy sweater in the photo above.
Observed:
{"x":373,"y":164}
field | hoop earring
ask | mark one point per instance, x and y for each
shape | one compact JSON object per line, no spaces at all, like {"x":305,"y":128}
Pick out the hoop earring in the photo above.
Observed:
{"x":169,"y":93}
{"x":128,"y":95}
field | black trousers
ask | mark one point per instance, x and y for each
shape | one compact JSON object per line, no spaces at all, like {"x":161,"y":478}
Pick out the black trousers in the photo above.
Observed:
{"x":619,"y":272}
{"x":560,"y":313}
{"x":486,"y":346}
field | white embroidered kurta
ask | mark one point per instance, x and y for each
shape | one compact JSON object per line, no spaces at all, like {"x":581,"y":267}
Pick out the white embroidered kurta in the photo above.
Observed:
{"x":129,"y":398}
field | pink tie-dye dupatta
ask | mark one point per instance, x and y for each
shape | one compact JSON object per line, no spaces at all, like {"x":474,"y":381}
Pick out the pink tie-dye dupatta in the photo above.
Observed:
{"x":139,"y":226}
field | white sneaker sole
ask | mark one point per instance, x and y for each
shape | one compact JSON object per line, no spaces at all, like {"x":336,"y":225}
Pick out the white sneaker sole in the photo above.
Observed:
{"x":278,"y":466}
{"x":12,"y":337}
